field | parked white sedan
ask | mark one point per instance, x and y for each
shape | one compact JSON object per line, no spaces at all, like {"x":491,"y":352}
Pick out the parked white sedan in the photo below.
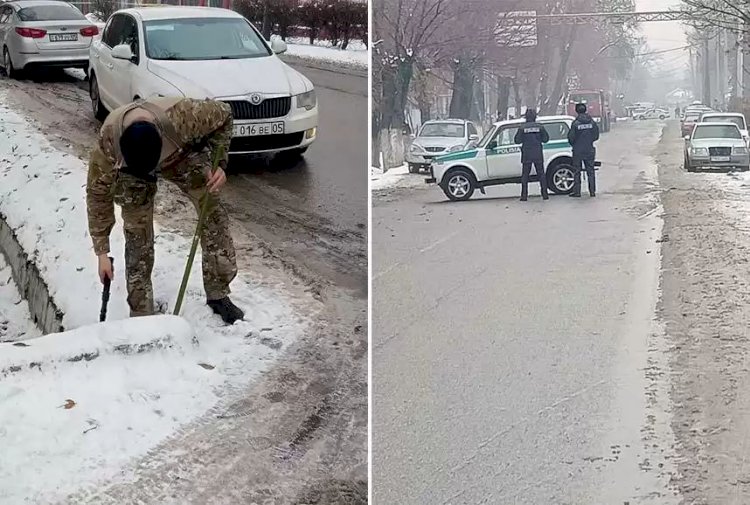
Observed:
{"x":200,"y":52}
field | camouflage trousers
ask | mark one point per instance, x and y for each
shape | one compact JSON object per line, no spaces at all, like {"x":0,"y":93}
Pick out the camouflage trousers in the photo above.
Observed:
{"x":136,"y":198}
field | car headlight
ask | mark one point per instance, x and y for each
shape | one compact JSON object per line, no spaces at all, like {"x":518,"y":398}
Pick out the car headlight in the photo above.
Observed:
{"x":699,"y":151}
{"x":415,"y":148}
{"x":739,"y":150}
{"x":455,"y":148}
{"x":307,"y":100}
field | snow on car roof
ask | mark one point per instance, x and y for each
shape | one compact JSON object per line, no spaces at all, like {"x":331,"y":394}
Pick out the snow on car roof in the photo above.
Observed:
{"x":715,"y":123}
{"x":539,"y":119}
{"x":457,"y":121}
{"x":177,"y":12}
{"x":725,"y":114}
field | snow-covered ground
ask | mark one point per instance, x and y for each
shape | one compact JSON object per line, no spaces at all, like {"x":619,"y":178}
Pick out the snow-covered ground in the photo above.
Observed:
{"x":355,"y":55}
{"x":124,"y":404}
{"x":398,"y":177}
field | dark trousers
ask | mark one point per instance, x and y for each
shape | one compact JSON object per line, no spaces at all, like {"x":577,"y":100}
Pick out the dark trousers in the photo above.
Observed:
{"x":539,"y":168}
{"x":588,"y":162}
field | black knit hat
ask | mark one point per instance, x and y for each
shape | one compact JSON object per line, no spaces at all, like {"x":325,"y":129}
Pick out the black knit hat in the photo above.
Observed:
{"x":530,"y":115}
{"x":141,"y":145}
{"x":581,"y":108}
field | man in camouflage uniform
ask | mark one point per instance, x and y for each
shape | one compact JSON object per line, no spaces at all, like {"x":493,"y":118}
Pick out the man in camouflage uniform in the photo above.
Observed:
{"x":174,"y":138}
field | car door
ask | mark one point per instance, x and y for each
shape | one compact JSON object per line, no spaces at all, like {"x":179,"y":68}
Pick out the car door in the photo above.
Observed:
{"x":104,"y":63}
{"x":504,"y":157}
{"x":124,"y":70}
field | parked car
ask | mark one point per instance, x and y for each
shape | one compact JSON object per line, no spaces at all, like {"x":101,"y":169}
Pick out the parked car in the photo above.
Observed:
{"x":497,"y":160}
{"x":439,"y":137}
{"x":43,"y":33}
{"x":200,"y":52}
{"x":716,"y":145}
{"x":689,"y":122}
{"x":728,"y":117}
{"x":653,"y":114}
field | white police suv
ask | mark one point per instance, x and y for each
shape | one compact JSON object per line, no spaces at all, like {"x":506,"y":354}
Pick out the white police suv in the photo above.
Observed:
{"x":496,"y":160}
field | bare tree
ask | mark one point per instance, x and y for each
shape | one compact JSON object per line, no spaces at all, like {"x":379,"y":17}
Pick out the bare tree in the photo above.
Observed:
{"x":407,"y":31}
{"x":103,"y":9}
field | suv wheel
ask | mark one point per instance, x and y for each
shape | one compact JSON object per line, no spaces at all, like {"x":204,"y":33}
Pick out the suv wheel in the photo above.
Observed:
{"x":459,"y":185}
{"x":100,"y":111}
{"x":560,"y":178}
{"x":413,"y":169}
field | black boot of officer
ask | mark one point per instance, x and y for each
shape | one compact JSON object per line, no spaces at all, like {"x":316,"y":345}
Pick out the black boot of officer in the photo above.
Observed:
{"x":531,"y":135}
{"x":583,"y":133}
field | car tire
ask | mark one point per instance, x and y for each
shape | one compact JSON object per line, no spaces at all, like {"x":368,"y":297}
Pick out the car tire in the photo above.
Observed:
{"x":10,"y":70}
{"x":459,"y":185}
{"x":688,"y":167}
{"x":413,"y":169}
{"x":560,"y":178}
{"x":100,"y":111}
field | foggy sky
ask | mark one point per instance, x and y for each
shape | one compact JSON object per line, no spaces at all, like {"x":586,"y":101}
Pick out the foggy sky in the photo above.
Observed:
{"x":662,"y":36}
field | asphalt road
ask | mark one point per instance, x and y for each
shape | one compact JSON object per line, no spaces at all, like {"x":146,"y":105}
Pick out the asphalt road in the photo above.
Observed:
{"x":509,"y":342}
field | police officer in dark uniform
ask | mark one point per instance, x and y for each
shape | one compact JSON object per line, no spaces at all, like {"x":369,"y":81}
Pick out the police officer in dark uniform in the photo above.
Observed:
{"x":531,"y":135}
{"x":583,"y":133}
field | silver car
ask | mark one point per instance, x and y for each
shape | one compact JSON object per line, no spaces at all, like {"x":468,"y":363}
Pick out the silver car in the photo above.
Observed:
{"x":436,"y":138}
{"x":43,"y":33}
{"x":716,"y":145}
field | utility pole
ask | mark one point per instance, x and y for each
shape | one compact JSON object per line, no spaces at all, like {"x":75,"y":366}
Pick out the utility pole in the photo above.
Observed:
{"x":721,"y":62}
{"x":706,"y":73}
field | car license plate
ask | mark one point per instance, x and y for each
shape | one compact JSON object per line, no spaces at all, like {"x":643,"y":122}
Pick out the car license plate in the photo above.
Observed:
{"x":252,"y":130}
{"x":720,"y":159}
{"x":63,"y":37}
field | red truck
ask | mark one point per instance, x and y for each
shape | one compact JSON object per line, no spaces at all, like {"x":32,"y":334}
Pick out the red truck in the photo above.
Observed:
{"x":597,"y":102}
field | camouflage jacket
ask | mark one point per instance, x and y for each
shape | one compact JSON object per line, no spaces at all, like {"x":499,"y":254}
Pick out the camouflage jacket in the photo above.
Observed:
{"x":185,"y":122}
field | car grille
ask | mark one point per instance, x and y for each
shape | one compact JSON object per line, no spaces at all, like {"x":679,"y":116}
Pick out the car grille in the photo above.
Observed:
{"x":720,"y":151}
{"x":267,"y":109}
{"x":434,"y":149}
{"x":265,"y":142}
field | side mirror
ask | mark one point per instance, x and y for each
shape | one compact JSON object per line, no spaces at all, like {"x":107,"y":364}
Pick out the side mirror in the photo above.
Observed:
{"x":123,"y":52}
{"x":686,"y":137}
{"x":473,"y":137}
{"x":492,"y":145}
{"x":278,"y":46}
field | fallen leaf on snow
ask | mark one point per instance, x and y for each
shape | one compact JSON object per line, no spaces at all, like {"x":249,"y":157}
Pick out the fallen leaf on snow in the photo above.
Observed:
{"x":206,"y":366}
{"x":69,"y":404}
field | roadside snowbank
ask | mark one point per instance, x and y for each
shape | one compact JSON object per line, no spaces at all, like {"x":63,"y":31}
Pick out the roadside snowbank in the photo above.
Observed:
{"x":355,"y":55}
{"x":398,"y":176}
{"x":15,"y":320}
{"x":136,"y":400}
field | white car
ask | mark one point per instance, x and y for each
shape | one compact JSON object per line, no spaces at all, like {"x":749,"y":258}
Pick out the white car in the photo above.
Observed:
{"x":439,"y":137}
{"x":652,"y":114}
{"x":200,"y":52}
{"x":497,"y":160}
{"x":728,"y":117}
{"x":43,"y":33}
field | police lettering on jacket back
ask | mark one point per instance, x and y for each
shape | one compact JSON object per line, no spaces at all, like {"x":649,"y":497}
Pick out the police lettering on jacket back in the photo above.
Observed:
{"x":583,"y":133}
{"x":531,"y":136}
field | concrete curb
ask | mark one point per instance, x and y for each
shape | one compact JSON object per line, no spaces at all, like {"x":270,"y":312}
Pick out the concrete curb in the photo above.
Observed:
{"x":44,"y":311}
{"x":124,"y":337}
{"x":342,"y":68}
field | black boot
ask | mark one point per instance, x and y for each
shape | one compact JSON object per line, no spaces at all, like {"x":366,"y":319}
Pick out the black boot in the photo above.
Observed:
{"x":228,"y":311}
